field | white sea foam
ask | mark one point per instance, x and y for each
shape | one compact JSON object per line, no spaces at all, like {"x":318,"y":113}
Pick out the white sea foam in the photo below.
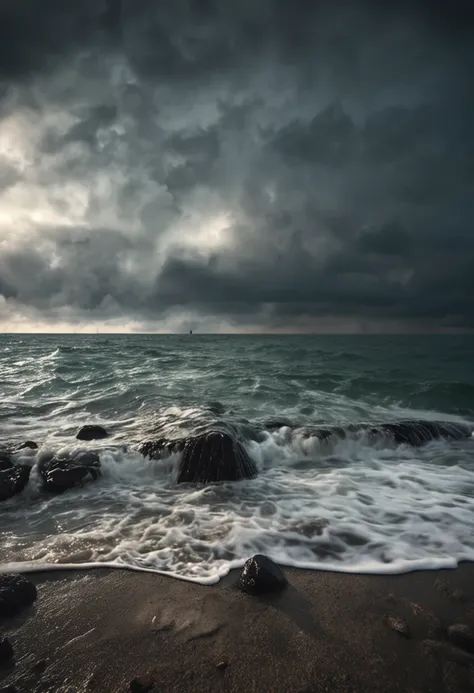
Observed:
{"x":350,"y":508}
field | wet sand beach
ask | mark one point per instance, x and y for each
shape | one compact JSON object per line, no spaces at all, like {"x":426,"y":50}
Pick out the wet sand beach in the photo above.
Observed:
{"x":101,"y":629}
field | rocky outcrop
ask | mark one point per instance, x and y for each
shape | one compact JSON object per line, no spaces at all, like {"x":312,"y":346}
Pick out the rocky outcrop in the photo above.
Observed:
{"x":91,"y":432}
{"x":62,"y":473}
{"x":209,"y":457}
{"x":418,"y":433}
{"x":13,"y":480}
{"x":260,"y":575}
{"x":409,"y":432}
{"x":16,"y":593}
{"x":213,"y":457}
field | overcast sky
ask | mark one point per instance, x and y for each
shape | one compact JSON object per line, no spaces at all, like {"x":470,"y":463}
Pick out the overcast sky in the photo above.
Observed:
{"x":260,"y":165}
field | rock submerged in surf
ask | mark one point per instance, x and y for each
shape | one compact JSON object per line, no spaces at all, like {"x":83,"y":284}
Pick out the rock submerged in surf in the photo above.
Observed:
{"x":28,"y":445}
{"x":16,"y":593}
{"x":417,"y":433}
{"x":206,"y":458}
{"x":62,"y":473}
{"x":260,"y":575}
{"x":13,"y":479}
{"x":414,"y":433}
{"x":213,"y":457}
{"x":162,"y":447}
{"x":91,"y":432}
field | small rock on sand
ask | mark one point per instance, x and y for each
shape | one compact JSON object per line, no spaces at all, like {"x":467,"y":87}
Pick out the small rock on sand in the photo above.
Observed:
{"x":260,"y":575}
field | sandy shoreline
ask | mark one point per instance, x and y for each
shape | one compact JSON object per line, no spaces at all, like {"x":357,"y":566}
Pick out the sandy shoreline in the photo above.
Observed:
{"x":97,"y":630}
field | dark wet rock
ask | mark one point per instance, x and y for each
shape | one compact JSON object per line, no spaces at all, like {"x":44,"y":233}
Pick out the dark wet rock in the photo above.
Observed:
{"x":62,"y":473}
{"x":16,"y":593}
{"x":215,"y":456}
{"x":260,"y":575}
{"x":414,"y":433}
{"x":208,"y":457}
{"x":222,"y":666}
{"x":461,"y":636}
{"x":6,"y":650}
{"x":162,"y":447}
{"x":92,"y":432}
{"x":13,"y":480}
{"x":418,"y":433}
{"x":142,"y":684}
{"x":5,"y":461}
{"x":399,"y":626}
{"x":28,"y":445}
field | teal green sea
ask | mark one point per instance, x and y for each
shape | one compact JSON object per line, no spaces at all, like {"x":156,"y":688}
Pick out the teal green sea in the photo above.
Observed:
{"x":350,"y":506}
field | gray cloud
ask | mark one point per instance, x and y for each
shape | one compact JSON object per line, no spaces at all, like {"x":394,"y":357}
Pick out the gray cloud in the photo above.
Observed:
{"x":273,"y":166}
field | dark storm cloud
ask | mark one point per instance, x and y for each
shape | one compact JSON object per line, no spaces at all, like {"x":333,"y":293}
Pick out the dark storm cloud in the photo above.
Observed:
{"x":186,"y":38}
{"x":334,"y":140}
{"x":36,"y":35}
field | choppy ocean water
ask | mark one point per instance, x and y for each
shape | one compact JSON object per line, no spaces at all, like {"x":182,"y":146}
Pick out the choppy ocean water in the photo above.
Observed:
{"x":349,"y":506}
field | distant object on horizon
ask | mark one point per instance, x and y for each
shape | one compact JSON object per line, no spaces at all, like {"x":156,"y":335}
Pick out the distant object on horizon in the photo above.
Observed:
{"x":190,"y":331}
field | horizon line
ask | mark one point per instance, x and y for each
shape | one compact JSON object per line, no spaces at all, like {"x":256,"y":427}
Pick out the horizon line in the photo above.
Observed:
{"x":354,"y":333}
